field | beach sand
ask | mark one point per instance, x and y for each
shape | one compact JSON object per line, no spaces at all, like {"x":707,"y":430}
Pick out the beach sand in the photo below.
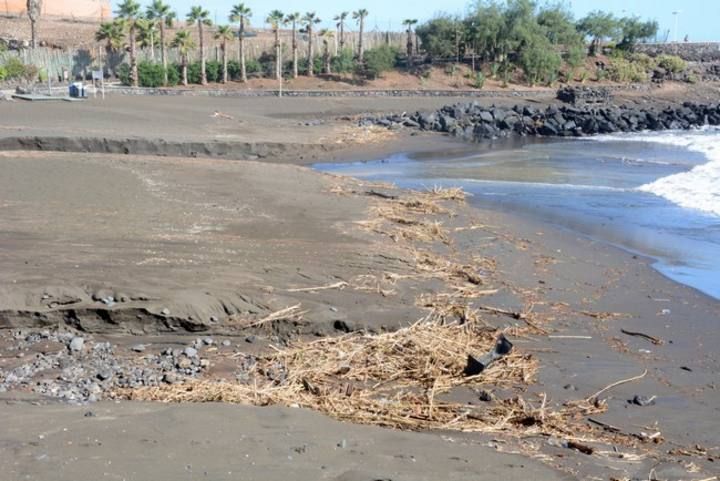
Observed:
{"x":192,"y":242}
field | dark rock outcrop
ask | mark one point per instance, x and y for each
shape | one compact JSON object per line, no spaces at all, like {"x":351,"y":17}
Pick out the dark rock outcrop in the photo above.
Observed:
{"x":471,"y":121}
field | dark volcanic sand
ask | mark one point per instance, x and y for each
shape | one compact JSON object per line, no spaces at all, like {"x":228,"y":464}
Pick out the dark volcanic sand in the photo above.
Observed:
{"x":209,"y":238}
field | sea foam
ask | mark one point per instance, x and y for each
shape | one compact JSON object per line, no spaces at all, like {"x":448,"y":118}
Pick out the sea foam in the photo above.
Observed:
{"x":698,"y":188}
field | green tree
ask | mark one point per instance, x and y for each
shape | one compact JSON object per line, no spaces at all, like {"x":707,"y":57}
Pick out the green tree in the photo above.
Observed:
{"x":129,"y":10}
{"x":201,"y":17}
{"x":293,"y":19}
{"x":438,"y":36}
{"x":359,"y":16}
{"x":540,"y":61}
{"x":224,"y":33}
{"x":275,"y":18}
{"x":379,"y":60}
{"x":34,"y":9}
{"x":599,"y":26}
{"x":184,"y":43}
{"x":113,"y":34}
{"x":632,"y":30}
{"x":574,"y":56}
{"x":327,"y":36}
{"x":559,"y":26}
{"x":409,"y":23}
{"x":484,"y":29}
{"x":146,"y":32}
{"x":163,"y":16}
{"x":310,"y":20}
{"x":340,"y":25}
{"x":241,"y":14}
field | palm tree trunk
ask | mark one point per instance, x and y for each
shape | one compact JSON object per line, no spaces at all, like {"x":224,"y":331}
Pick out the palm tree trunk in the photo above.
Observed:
{"x":203,"y":73}
{"x":33,"y":34}
{"x":311,"y":62}
{"x":278,"y":60}
{"x":295,"y":52}
{"x":133,"y":57}
{"x":342,"y":35}
{"x":360,"y":40}
{"x":241,"y":40}
{"x":225,"y":61}
{"x":327,"y":58}
{"x":409,"y":48}
{"x":152,"y":45}
{"x":162,"y":51}
{"x":185,"y":70}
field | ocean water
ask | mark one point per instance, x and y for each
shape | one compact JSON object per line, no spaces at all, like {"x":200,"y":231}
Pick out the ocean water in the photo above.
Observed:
{"x":654,"y":194}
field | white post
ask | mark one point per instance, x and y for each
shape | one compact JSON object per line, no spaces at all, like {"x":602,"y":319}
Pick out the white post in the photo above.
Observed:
{"x":675,"y":14}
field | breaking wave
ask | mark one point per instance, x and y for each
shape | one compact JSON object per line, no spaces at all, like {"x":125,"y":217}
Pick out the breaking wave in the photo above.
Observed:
{"x":698,"y":188}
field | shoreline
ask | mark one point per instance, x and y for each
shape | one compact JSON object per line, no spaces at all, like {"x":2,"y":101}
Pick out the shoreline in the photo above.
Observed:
{"x":313,"y":242}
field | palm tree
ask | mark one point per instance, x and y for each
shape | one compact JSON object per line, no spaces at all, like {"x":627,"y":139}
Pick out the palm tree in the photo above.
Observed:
{"x":309,"y":20}
{"x":360,"y":15}
{"x":113,"y":34}
{"x":201,"y":17}
{"x":163,"y":15}
{"x":146,"y":35}
{"x":184,"y":42}
{"x":224,"y":34}
{"x":275,"y":18}
{"x":293,"y":19}
{"x":340,"y":19}
{"x":409,"y":22}
{"x":34,"y":9}
{"x":327,"y":35}
{"x":240,"y":14}
{"x":129,"y":10}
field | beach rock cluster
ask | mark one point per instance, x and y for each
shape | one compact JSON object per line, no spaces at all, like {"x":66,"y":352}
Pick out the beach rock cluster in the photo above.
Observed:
{"x":77,"y":369}
{"x":579,"y":96}
{"x":472,"y":121}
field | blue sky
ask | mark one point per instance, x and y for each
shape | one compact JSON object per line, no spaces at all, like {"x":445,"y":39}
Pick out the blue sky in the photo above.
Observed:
{"x":698,"y":18}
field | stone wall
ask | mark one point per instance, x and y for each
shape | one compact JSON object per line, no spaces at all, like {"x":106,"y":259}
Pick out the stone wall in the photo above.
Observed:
{"x":81,"y":9}
{"x":690,"y":51}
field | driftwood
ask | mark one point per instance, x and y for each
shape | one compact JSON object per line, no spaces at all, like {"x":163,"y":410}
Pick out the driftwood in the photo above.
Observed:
{"x":382,"y":195}
{"x":595,"y":396}
{"x":655,"y":340}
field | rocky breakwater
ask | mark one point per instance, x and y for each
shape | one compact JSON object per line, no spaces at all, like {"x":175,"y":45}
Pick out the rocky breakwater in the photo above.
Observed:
{"x":475,"y":122}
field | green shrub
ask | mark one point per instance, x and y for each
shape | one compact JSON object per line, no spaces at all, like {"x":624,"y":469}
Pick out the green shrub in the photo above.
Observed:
{"x":575,"y":56}
{"x":214,"y":71}
{"x":671,"y":63}
{"x":194,"y":73}
{"x":3,"y":73}
{"x":123,"y":73}
{"x":692,"y":79}
{"x":150,"y":74}
{"x":540,"y":62}
{"x":173,"y":75}
{"x":378,"y":60}
{"x":343,"y":62}
{"x":450,"y":69}
{"x":14,"y":68}
{"x":233,"y":69}
{"x":253,"y":66}
{"x":479,"y":80}
{"x":644,"y":60}
{"x":584,"y":75}
{"x":621,"y":70}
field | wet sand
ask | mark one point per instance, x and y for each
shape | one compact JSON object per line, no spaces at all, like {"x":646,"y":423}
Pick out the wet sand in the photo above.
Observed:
{"x":192,"y":242}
